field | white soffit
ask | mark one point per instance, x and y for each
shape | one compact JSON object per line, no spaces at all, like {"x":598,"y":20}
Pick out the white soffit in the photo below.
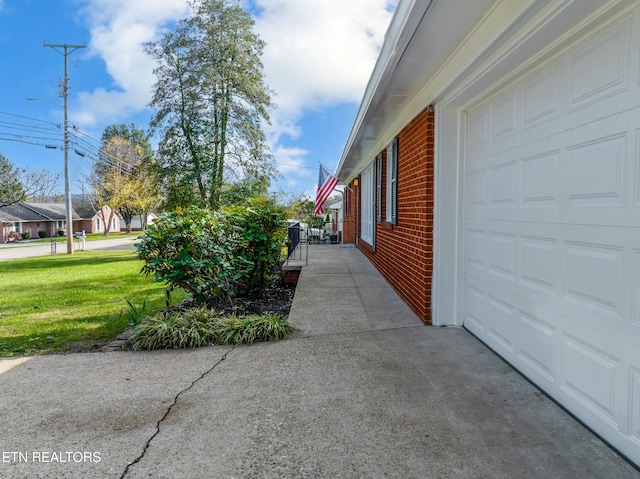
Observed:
{"x":427,"y":40}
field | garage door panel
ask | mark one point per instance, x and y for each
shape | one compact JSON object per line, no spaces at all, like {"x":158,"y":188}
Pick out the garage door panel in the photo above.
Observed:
{"x":538,"y":353}
{"x":502,"y":255}
{"x":539,"y":264}
{"x":539,"y":181}
{"x":599,"y":68}
{"x":595,"y":170}
{"x":587,"y":176}
{"x":500,"y":325}
{"x":635,"y":401}
{"x":635,"y":286}
{"x":541,"y":97}
{"x":589,"y":375}
{"x":593,"y":275}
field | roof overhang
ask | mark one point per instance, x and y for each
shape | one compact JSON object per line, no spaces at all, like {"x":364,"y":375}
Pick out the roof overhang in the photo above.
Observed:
{"x":429,"y":44}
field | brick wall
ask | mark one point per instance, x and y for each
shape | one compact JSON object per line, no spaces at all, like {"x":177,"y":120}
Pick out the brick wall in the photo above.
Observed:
{"x":349,"y":199}
{"x":404,"y":252}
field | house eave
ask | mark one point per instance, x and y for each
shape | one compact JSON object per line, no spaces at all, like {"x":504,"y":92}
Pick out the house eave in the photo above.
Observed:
{"x":428,"y":45}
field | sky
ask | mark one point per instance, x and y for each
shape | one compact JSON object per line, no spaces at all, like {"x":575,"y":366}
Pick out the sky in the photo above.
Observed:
{"x":318,"y":58}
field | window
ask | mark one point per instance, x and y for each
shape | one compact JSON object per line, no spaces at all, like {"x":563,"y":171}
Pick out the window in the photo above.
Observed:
{"x":97,"y":224}
{"x":59,"y":225}
{"x":368,"y":204}
{"x":113,"y":224}
{"x":379,"y":187}
{"x":392,"y":183}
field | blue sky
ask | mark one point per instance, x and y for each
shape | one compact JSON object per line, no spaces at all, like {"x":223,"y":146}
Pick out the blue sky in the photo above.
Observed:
{"x":318,"y":59}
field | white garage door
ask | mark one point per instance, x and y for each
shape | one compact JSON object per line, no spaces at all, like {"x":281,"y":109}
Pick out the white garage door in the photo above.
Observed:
{"x":552,"y":228}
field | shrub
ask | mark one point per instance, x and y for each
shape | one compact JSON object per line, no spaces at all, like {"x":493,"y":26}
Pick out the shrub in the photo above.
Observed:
{"x":60,"y":233}
{"x":186,"y":329}
{"x":215,"y":256}
{"x":195,"y":250}
{"x":43,"y":234}
{"x":26,"y":235}
{"x":262,"y":225}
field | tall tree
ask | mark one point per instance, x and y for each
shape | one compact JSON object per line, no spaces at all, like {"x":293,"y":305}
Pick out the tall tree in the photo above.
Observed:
{"x":209,"y":99}
{"x":11,"y":188}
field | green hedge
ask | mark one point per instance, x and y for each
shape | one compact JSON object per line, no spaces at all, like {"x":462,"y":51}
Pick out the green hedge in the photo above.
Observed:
{"x":215,"y":255}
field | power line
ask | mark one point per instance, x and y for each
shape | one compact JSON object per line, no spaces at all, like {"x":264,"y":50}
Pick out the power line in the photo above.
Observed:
{"x":27,"y":118}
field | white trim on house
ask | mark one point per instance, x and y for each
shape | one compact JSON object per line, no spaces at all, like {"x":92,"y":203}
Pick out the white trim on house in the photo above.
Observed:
{"x":367,"y":211}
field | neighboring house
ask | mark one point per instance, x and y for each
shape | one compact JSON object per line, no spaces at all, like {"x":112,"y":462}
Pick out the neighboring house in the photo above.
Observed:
{"x":336,"y":219}
{"x":51,"y":217}
{"x":136,"y":222}
{"x":493,"y":176}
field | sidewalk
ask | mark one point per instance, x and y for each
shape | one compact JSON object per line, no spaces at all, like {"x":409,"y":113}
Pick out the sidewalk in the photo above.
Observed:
{"x":356,"y":393}
{"x":21,"y":250}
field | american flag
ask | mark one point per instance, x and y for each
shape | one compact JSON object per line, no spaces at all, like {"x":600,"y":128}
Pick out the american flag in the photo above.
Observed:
{"x":326,"y":183}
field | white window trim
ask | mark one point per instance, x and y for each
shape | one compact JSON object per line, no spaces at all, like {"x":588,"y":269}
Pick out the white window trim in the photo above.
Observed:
{"x":392,"y":183}
{"x":367,"y":210}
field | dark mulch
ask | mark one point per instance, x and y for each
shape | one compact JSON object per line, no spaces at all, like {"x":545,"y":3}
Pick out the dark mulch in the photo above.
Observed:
{"x":276,"y":298}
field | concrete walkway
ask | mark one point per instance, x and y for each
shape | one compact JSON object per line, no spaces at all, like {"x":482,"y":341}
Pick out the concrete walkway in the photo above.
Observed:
{"x":362,"y":391}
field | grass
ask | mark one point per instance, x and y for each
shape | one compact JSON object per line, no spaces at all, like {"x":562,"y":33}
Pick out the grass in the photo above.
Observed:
{"x":71,"y":302}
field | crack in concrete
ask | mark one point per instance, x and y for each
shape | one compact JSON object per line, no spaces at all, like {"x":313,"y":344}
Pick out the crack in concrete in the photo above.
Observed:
{"x":168,"y":411}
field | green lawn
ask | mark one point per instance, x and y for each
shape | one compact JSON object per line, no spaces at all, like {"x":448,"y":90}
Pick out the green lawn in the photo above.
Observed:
{"x":89,"y":237}
{"x":71,"y":302}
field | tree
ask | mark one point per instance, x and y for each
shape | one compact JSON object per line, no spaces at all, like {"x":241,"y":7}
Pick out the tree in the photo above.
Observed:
{"x":41,"y":186}
{"x":242,"y":192}
{"x":11,"y":188}
{"x":124,"y":175}
{"x":210,"y":99}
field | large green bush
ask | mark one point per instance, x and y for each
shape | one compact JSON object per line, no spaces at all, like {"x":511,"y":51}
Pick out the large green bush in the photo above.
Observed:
{"x":195,"y":250}
{"x":215,"y":256}
{"x":262,"y":224}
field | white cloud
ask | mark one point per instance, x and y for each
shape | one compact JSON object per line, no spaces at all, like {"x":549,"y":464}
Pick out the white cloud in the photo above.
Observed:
{"x":318,"y":53}
{"x":118,"y":30}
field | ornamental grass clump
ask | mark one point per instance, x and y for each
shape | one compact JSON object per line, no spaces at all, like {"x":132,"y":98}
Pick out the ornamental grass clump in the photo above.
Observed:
{"x":200,"y":327}
{"x":183,"y":330}
{"x":250,"y":329}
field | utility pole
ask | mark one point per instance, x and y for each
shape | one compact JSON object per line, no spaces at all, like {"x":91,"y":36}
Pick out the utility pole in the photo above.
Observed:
{"x":67,"y":50}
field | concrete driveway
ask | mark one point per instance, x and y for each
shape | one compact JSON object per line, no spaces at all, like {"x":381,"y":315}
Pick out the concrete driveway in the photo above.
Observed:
{"x":355,"y":394}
